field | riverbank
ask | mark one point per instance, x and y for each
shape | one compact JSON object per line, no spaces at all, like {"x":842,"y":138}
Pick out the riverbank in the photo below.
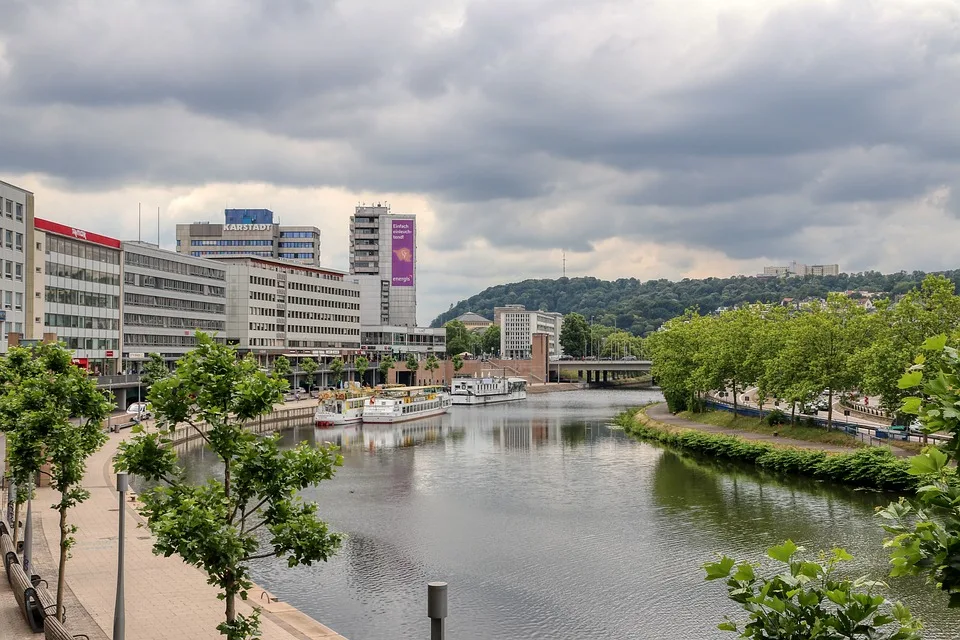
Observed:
{"x":875,"y":468}
{"x":166,"y":599}
{"x":552,"y":387}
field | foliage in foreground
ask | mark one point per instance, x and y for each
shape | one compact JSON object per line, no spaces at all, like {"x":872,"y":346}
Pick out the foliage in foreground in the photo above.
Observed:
{"x":926,"y":530}
{"x":216,"y":526}
{"x":874,"y":468}
{"x":808,"y":601}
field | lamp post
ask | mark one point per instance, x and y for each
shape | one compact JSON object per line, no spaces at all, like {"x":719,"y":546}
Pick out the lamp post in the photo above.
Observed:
{"x":436,"y":608}
{"x":118,"y":617}
{"x":28,"y":534}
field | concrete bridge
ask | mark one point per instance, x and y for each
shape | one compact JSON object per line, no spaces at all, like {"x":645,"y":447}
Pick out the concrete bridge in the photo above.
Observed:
{"x":596,"y":368}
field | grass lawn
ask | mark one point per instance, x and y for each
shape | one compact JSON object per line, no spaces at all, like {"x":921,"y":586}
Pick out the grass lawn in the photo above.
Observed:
{"x":726,"y":420}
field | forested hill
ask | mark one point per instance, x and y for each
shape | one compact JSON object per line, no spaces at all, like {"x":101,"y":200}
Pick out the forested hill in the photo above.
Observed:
{"x":642,"y":307}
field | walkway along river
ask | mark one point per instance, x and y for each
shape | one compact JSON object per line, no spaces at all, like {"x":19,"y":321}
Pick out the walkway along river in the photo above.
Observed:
{"x":548,"y":524}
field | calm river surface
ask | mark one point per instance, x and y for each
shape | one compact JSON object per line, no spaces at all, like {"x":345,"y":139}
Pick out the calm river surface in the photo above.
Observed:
{"x":548,"y":524}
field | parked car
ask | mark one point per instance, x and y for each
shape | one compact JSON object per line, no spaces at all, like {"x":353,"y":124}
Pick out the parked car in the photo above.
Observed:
{"x":629,"y":357}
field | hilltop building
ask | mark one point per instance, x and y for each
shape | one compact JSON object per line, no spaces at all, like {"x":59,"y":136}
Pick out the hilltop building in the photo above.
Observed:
{"x":250,"y":232}
{"x":797,"y":269}
{"x":474,"y":321}
{"x":383,"y":262}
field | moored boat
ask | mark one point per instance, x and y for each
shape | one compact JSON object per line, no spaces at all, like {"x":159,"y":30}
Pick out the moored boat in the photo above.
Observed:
{"x":341,"y":407}
{"x":479,"y":391}
{"x":400,"y":404}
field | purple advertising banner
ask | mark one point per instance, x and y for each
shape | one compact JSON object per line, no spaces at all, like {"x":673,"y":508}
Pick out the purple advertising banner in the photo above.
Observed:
{"x":403,"y":248}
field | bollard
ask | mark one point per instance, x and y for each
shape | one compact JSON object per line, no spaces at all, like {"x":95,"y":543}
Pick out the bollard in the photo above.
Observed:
{"x":436,"y":608}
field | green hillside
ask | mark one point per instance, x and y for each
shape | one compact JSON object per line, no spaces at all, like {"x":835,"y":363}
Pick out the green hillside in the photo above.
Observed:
{"x":641,"y":307}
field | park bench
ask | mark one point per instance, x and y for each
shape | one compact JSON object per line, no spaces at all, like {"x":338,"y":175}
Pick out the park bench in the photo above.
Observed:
{"x":53,"y":629}
{"x":9,"y":553}
{"x":35,"y":601}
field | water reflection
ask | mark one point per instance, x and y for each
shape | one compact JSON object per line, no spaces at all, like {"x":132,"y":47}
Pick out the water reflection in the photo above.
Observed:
{"x":547,"y":524}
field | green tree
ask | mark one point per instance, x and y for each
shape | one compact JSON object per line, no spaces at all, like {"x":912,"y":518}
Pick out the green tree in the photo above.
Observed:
{"x":43,"y":392}
{"x":281,"y":366}
{"x":457,"y":363}
{"x":490,"y":340}
{"x":622,"y":343}
{"x":674,"y":351}
{"x":725,"y":354}
{"x":386,"y":363}
{"x":926,"y":530}
{"x":807,"y":600}
{"x":412,"y":365}
{"x":336,"y":368}
{"x":254,"y":511}
{"x":575,"y":335}
{"x":362,"y":364}
{"x":458,"y":337}
{"x":310,"y":368}
{"x":431,"y":365}
{"x":155,"y":368}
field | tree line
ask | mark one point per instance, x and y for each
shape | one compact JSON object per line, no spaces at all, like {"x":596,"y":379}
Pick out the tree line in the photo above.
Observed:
{"x":642,"y":307}
{"x":797,"y":354}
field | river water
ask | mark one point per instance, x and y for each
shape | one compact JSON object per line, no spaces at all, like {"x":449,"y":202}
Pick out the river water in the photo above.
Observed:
{"x":548,"y":524}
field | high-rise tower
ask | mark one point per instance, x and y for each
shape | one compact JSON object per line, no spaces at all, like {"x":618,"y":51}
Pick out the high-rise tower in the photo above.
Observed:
{"x":383,"y":259}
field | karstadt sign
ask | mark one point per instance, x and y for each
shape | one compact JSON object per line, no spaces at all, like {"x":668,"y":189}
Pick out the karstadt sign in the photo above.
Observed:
{"x":247,"y":227}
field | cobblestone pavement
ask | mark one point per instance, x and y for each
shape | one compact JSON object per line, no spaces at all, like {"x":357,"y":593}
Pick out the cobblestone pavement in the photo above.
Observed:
{"x":166,"y":599}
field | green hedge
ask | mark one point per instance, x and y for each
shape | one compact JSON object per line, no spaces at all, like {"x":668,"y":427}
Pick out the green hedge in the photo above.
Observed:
{"x":874,"y":468}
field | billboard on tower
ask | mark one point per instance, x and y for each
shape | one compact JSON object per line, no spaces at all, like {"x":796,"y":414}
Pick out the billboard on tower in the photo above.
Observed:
{"x":403,"y":247}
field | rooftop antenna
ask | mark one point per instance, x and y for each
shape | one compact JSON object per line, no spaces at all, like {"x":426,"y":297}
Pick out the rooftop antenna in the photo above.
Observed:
{"x":138,"y":222}
{"x":564,"y":254}
{"x":158,"y":227}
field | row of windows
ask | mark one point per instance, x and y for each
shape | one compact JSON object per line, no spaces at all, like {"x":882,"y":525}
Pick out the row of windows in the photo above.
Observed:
{"x":263,"y":282}
{"x":160,"y":302}
{"x":10,"y":208}
{"x":8,"y":300}
{"x":323,"y":302}
{"x":370,"y":242}
{"x":296,"y":256}
{"x":166,"y":322}
{"x":70,"y":247}
{"x":14,"y":326}
{"x":365,"y":265}
{"x":262,"y":254}
{"x":91,"y":344}
{"x":11,"y":268}
{"x":259,"y":295}
{"x":231,"y":243}
{"x":78,"y":273}
{"x":169,"y":284}
{"x":273,"y":328}
{"x":13,"y":240}
{"x":314,"y":315}
{"x":316,"y":288}
{"x":296,"y":245}
{"x":80,"y":322}
{"x":151,"y":340}
{"x":173,"y":266}
{"x":299,"y":234}
{"x":82,"y":298}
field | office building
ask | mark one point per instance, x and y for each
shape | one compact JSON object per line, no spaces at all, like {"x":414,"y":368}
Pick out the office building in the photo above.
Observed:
{"x":473,"y":321}
{"x":16,"y":216}
{"x":378,"y":341}
{"x":383,"y":262}
{"x":250,"y":232}
{"x":167,"y":297}
{"x":518,"y":327}
{"x":278,"y":308}
{"x":797,"y":269}
{"x":74,"y":293}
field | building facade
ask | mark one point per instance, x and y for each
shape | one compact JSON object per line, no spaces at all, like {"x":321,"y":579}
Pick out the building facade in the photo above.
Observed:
{"x":278,"y":308}
{"x":383,"y":262}
{"x":16,"y":217}
{"x":378,"y":341}
{"x":797,"y":269}
{"x":75,"y":278}
{"x":473,"y":321}
{"x":167,"y":297}
{"x":263,"y":238}
{"x":519,"y":326}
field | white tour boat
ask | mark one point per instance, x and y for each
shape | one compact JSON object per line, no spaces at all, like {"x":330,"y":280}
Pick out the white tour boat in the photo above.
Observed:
{"x":341,"y":407}
{"x":477,"y":391}
{"x":399,"y":404}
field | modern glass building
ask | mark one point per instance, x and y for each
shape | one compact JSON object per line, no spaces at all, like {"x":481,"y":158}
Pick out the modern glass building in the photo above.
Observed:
{"x":250,"y":232}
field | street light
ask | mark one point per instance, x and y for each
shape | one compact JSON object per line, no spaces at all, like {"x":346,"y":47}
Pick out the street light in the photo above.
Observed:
{"x":118,"y":617}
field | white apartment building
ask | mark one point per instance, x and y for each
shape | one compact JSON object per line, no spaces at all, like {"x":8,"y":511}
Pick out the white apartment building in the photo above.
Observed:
{"x":75,"y":278}
{"x":167,"y":297}
{"x":518,"y":326}
{"x":16,"y":216}
{"x":383,"y":261}
{"x":797,"y":269}
{"x":278,"y":308}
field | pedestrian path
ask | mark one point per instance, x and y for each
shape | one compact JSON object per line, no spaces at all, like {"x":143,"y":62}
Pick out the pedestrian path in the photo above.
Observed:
{"x":166,"y":599}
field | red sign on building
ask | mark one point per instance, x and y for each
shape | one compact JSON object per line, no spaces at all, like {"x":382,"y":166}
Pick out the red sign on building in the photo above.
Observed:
{"x":79,"y":234}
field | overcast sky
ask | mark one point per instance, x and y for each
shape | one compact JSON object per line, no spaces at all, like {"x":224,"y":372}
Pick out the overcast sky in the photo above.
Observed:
{"x":647,"y":138}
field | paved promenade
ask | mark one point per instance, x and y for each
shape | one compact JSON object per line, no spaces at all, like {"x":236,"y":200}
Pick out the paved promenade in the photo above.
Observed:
{"x":165,"y":598}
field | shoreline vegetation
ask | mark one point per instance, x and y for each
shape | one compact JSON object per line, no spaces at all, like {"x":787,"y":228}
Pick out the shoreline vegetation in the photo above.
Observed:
{"x":869,"y":468}
{"x":816,"y":435}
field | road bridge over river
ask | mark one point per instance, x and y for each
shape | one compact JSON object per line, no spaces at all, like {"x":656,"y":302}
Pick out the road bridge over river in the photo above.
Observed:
{"x":596,"y":369}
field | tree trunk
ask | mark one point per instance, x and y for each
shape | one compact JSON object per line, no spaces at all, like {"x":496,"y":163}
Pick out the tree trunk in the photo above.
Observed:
{"x":734,"y":398}
{"x":16,"y":522}
{"x":793,"y":413}
{"x":64,"y":548}
{"x":830,"y":408}
{"x":231,"y":605}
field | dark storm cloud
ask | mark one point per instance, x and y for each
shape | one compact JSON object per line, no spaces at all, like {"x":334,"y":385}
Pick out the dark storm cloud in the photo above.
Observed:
{"x":531,"y":125}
